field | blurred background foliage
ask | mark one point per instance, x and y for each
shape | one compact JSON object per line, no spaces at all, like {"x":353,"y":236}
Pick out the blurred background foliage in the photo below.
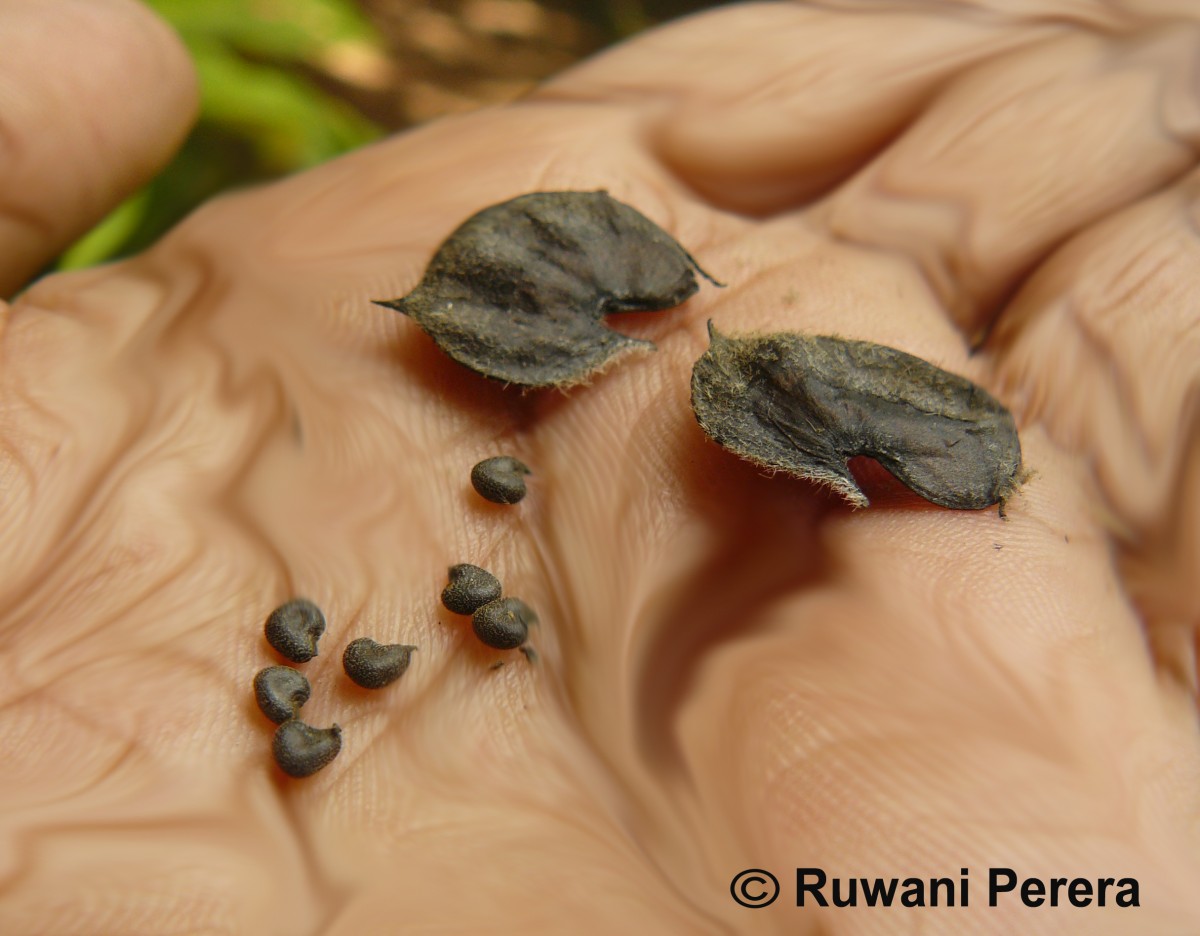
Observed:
{"x":286,"y":84}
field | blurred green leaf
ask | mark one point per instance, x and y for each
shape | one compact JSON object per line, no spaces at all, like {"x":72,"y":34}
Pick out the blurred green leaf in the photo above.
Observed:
{"x":285,"y":30}
{"x":290,"y":123}
{"x":261,"y":115}
{"x":106,"y":238}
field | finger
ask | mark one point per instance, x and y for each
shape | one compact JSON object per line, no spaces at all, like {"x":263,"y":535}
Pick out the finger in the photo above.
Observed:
{"x":1101,"y":349}
{"x":1020,"y":153}
{"x":95,"y":95}
{"x":956,"y":667}
{"x":791,"y":105}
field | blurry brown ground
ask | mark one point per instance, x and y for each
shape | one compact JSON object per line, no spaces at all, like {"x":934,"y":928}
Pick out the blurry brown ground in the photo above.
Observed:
{"x":287,"y":84}
{"x":451,"y":56}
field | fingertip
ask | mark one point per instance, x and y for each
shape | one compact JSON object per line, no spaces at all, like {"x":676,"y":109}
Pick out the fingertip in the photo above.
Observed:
{"x":95,"y":96}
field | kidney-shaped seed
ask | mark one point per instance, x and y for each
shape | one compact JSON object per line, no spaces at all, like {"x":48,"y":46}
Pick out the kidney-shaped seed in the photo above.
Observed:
{"x":301,"y":750}
{"x":500,"y":480}
{"x":294,"y":628}
{"x":469,"y":588}
{"x":504,"y":623}
{"x":280,"y":691}
{"x":374,"y":665}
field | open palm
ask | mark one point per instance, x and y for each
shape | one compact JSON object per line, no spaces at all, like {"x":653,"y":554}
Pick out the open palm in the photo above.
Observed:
{"x":734,"y":671}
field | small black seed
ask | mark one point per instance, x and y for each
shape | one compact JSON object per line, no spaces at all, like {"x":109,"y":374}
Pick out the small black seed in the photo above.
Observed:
{"x":518,"y":292}
{"x":293,"y":629}
{"x":503,"y":623}
{"x":280,"y":691}
{"x":373,"y":665}
{"x":301,"y":750}
{"x":501,"y":479}
{"x":470,"y":588}
{"x":808,"y":404}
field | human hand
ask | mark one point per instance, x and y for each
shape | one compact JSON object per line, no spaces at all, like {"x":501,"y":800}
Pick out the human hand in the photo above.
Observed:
{"x":735,"y":671}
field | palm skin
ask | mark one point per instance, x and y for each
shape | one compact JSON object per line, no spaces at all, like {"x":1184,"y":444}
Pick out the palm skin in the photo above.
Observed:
{"x":734,"y":671}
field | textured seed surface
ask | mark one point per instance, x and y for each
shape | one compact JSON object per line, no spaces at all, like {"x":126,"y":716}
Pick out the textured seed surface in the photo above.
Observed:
{"x":807,"y":404}
{"x":293,"y":629}
{"x":301,"y":750}
{"x":501,"y":479}
{"x":504,"y":623}
{"x":280,"y":691}
{"x":469,"y":588}
{"x":374,"y":665}
{"x":519,"y":291}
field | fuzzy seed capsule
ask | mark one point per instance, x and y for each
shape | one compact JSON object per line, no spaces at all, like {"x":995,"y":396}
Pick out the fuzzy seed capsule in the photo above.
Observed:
{"x":280,"y":691}
{"x":807,"y":404}
{"x":519,"y":291}
{"x":500,"y":480}
{"x":301,"y":750}
{"x":373,"y":665}
{"x":293,"y":629}
{"x":470,"y":588}
{"x":504,"y":623}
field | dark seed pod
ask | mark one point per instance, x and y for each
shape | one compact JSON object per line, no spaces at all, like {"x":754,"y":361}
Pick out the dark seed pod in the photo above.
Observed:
{"x":518,"y":292}
{"x":503,"y":623}
{"x":301,"y":750}
{"x":470,"y":587}
{"x":280,"y":691}
{"x":500,"y":480}
{"x":373,"y":665}
{"x":293,"y":629}
{"x":808,"y":404}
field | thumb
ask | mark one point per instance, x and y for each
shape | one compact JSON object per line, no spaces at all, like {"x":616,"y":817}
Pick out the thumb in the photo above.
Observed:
{"x":95,"y":95}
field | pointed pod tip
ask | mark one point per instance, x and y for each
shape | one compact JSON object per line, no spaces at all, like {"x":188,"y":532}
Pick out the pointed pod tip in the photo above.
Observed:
{"x":396,"y":305}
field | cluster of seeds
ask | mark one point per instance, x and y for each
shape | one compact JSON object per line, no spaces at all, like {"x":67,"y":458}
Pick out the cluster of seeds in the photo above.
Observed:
{"x":293,"y":630}
{"x":500,"y":623}
{"x":518,"y":294}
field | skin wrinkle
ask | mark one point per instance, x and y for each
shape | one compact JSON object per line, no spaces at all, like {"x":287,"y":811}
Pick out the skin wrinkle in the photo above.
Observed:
{"x":676,"y":149}
{"x":667,"y":665}
{"x":23,"y":614}
{"x":67,"y":653}
{"x":942,"y":266}
{"x":1014,"y":294}
{"x":1089,"y":319}
{"x":131,"y":469}
{"x":1126,"y":400}
{"x":94,"y":728}
{"x":1086,"y":15}
{"x":76,"y":528}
